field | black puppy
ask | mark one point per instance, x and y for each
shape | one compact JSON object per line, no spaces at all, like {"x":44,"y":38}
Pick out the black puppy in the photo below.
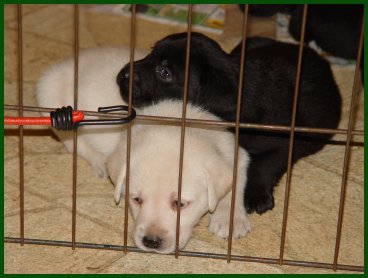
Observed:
{"x":269,"y":79}
{"x":334,"y":28}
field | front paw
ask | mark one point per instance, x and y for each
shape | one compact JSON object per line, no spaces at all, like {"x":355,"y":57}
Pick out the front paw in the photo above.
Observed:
{"x":220,"y":222}
{"x":100,"y":169}
{"x":258,"y":202}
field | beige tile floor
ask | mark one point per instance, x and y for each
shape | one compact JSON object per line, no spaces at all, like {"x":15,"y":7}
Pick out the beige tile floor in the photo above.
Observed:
{"x":48,"y":38}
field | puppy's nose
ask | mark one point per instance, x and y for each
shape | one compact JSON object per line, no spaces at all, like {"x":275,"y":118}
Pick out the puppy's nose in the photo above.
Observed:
{"x":152,"y":241}
{"x":125,"y":74}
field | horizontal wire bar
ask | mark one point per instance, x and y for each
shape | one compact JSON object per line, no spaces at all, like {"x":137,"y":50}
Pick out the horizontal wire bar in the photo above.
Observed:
{"x":183,"y":253}
{"x":272,"y":128}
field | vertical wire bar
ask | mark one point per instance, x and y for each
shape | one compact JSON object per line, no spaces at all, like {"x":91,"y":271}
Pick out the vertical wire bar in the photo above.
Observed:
{"x":237,"y":125}
{"x":75,"y":131}
{"x":183,"y":117}
{"x":347,"y":148}
{"x":20,"y":112}
{"x":127,"y":177}
{"x":291,"y":142}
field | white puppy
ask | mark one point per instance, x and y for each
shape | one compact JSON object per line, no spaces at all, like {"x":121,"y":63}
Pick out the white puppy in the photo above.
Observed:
{"x":154,"y":170}
{"x":97,"y":87}
{"x":154,"y":165}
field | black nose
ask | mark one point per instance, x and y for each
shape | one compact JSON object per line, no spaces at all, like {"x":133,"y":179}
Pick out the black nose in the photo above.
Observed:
{"x":126,"y":75}
{"x":151,"y":241}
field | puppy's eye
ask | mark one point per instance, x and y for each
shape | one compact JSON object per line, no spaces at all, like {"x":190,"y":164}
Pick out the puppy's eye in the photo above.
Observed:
{"x":137,"y":200}
{"x":164,"y":73}
{"x":175,"y":204}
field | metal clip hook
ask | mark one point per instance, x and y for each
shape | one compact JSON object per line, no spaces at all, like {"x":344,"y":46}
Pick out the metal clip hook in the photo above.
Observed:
{"x":108,"y":109}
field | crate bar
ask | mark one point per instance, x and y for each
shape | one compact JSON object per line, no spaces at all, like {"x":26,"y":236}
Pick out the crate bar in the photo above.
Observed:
{"x":292,"y":131}
{"x":129,"y":127}
{"x":197,"y":122}
{"x":347,"y":148}
{"x":75,"y":131}
{"x":237,"y":123}
{"x":183,"y":253}
{"x":183,"y":121}
{"x":20,"y":113}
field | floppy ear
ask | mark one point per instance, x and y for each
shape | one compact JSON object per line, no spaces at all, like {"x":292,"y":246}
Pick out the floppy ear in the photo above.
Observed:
{"x":218,"y":84}
{"x":119,"y":186}
{"x":219,"y":176}
{"x":116,"y":168}
{"x":212,"y":198}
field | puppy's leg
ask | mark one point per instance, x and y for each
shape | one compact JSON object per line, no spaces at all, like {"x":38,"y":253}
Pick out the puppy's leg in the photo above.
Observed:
{"x":220,"y":219}
{"x":264,"y":171}
{"x":96,"y":159}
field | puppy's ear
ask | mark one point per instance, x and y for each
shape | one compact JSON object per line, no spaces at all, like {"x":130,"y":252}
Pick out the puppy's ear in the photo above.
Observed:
{"x":119,"y":186}
{"x":212,"y":198}
{"x":219,"y":176}
{"x":218,"y":84}
{"x":116,"y":168}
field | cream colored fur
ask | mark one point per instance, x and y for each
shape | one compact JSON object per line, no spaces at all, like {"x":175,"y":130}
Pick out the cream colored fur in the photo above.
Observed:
{"x":97,"y":87}
{"x":154,"y":165}
{"x":154,"y":170}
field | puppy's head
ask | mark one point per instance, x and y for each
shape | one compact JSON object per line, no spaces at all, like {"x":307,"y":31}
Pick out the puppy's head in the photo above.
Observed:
{"x":160,"y":75}
{"x":153,"y":183}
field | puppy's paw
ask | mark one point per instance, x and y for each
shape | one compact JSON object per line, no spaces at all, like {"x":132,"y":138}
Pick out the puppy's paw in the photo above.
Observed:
{"x":220,"y":222}
{"x":258,"y":202}
{"x":100,"y":169}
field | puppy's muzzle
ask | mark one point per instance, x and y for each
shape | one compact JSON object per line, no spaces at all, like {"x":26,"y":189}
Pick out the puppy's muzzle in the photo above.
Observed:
{"x":125,"y":74}
{"x":123,"y":79}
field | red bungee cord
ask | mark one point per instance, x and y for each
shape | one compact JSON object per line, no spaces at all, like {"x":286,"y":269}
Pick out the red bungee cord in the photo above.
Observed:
{"x":77,"y":116}
{"x":66,"y":118}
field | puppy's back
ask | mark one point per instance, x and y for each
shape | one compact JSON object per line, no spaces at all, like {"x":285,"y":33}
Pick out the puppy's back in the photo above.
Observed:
{"x":97,"y":70}
{"x":97,"y":87}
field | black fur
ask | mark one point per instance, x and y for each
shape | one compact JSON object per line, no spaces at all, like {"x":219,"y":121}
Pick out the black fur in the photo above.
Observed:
{"x":334,"y":28}
{"x":267,"y":98}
